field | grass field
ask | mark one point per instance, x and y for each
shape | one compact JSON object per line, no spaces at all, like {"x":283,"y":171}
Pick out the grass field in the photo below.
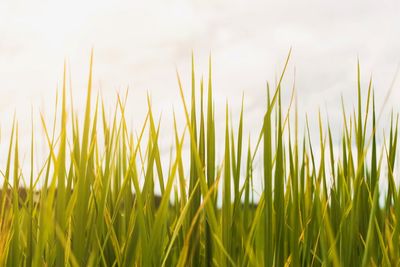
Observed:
{"x":98,"y":207}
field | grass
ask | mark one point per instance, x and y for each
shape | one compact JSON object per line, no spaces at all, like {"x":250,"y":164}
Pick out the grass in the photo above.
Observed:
{"x":97,"y":205}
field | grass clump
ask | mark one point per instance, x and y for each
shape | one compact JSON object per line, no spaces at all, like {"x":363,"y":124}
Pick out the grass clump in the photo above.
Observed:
{"x":98,"y":207}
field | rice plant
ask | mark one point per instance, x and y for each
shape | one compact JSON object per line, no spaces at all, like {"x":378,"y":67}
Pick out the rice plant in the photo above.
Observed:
{"x":96,"y":204}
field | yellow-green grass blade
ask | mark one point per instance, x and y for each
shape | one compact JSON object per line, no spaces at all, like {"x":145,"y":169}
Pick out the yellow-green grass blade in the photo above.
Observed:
{"x":226,"y":197}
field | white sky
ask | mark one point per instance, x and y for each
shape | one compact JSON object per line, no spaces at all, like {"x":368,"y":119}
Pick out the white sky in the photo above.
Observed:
{"x":139,"y":44}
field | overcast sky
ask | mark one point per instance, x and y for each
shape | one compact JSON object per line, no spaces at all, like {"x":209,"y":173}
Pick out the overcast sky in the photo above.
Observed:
{"x":140,"y":44}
